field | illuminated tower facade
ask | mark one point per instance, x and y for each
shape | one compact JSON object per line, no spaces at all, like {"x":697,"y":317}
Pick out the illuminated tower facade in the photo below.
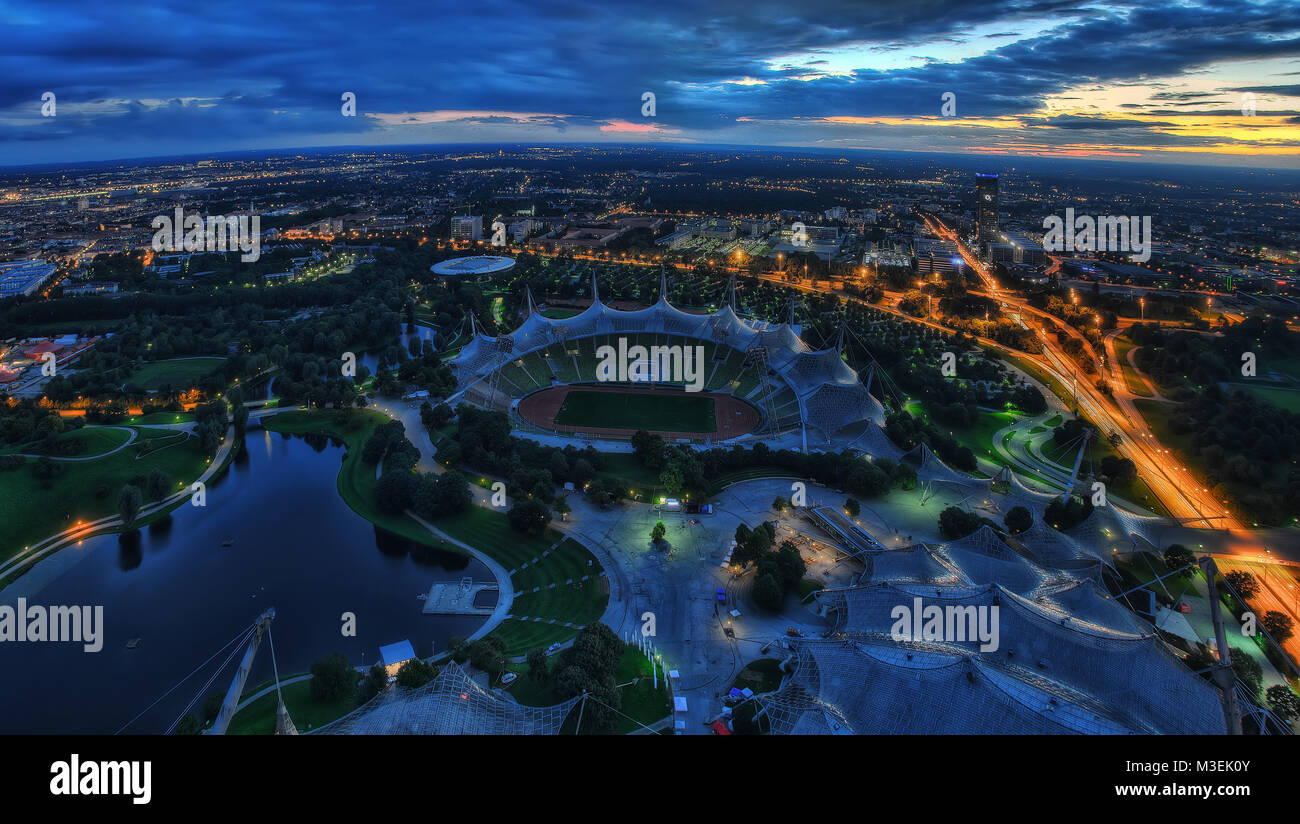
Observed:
{"x":986,"y":208}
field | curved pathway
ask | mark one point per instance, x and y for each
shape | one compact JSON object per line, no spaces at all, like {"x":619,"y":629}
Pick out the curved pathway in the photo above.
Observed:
{"x":132,"y":434}
{"x":506,"y":588}
{"x":112,"y":523}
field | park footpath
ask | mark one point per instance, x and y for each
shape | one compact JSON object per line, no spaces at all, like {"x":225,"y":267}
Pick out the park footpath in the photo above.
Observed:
{"x":114,"y":523}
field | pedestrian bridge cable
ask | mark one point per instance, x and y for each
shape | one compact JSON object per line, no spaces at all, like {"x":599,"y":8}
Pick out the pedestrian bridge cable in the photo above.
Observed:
{"x":243,"y":636}
{"x":203,"y":689}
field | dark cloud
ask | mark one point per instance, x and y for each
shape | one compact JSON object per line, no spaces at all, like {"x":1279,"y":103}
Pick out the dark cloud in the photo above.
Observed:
{"x":247,"y":74}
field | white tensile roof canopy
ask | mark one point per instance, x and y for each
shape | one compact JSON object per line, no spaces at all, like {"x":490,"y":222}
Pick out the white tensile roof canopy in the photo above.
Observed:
{"x":830,"y":393}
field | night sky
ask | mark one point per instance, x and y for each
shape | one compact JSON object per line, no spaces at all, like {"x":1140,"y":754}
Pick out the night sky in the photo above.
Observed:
{"x":1160,"y":81}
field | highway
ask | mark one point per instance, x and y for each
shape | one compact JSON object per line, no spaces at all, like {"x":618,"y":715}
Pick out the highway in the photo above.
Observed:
{"x":1181,"y":493}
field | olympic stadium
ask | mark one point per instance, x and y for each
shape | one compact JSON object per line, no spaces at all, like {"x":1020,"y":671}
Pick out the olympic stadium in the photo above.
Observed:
{"x":760,"y":379}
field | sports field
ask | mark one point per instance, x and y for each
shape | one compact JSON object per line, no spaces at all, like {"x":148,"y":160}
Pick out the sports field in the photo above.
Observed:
{"x":662,"y":411}
{"x":177,"y":372}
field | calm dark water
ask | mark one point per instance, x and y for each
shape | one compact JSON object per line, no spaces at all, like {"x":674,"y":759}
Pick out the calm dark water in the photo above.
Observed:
{"x":295,"y":545}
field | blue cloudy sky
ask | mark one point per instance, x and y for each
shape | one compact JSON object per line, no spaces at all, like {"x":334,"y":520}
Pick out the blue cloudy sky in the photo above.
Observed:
{"x":1159,"y":81}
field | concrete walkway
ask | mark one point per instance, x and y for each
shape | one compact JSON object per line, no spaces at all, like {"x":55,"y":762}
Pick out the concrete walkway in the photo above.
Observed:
{"x":113,"y":523}
{"x":506,"y":598}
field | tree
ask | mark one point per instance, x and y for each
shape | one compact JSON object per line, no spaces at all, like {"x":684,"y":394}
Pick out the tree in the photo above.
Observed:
{"x":538,"y":666}
{"x":955,"y":523}
{"x":1282,"y":701}
{"x":332,"y":678}
{"x":529,"y":517}
{"x":1178,"y":556}
{"x":1018,"y":519}
{"x":415,"y":673}
{"x":441,"y":415}
{"x":128,"y":504}
{"x":1278,"y":624}
{"x":1248,"y":670}
{"x":395,"y":491}
{"x":374,"y":682}
{"x":657,"y":533}
{"x":779,"y":504}
{"x":488,"y":654}
{"x":742,"y":534}
{"x":768,"y":592}
{"x":158,"y":484}
{"x":1243,"y":582}
{"x":589,"y":666}
{"x":791,"y":564}
{"x":189,"y":725}
{"x":852,"y":507}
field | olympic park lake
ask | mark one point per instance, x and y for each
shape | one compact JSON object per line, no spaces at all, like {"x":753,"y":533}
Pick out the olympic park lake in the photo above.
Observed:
{"x":274,"y":533}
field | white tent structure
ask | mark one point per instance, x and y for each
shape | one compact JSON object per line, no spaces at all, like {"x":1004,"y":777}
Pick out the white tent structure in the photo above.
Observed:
{"x":830,"y":393}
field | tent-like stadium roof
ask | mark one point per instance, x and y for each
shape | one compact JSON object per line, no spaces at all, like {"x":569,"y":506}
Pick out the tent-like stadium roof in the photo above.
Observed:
{"x":830,"y":394}
{"x":1069,"y":658}
{"x":450,"y":704}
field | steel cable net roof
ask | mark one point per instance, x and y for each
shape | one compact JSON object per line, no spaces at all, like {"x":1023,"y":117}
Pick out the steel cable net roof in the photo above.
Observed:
{"x":830,"y":394}
{"x":1107,"y":528}
{"x":1068,"y":660}
{"x":450,"y":704}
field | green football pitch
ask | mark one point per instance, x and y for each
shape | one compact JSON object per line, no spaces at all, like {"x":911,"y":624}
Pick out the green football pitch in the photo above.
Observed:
{"x":663,"y":411}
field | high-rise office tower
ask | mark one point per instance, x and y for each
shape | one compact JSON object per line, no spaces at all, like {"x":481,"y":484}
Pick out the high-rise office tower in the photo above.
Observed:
{"x":986,"y":207}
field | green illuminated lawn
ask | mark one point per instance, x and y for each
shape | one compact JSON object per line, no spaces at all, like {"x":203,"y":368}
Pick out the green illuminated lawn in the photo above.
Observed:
{"x":662,"y":411}
{"x":177,"y":372}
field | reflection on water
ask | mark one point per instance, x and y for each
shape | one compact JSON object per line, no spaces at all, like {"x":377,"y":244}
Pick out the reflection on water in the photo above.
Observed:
{"x":274,"y":533}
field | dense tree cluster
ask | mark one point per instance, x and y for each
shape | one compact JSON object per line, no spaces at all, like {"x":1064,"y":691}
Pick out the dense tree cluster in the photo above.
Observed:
{"x":1247,"y":450}
{"x":775,"y":572}
{"x":482,"y":442}
{"x":955,"y":522}
{"x":589,"y":666}
{"x":1189,"y":360}
{"x":23,"y":421}
{"x":1067,"y":514}
{"x":400,"y":487}
{"x":908,"y":431}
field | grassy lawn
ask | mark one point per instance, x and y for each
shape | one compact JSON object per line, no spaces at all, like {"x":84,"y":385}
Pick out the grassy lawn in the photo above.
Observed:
{"x":157,"y":418}
{"x":762,"y":675}
{"x":87,"y":490}
{"x":978,"y":437}
{"x":258,"y":718}
{"x":1136,"y":491}
{"x":177,"y":372}
{"x":663,"y":411}
{"x":1134,"y":383}
{"x":748,"y":474}
{"x":1032,"y":369}
{"x":561,"y":594}
{"x":1143,"y":570}
{"x":560,"y":314}
{"x":1288,"y":399}
{"x":95,"y":440}
{"x":642,"y":704}
{"x":808,"y":586}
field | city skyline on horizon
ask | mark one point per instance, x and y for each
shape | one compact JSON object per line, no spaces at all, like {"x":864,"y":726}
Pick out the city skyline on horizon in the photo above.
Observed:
{"x":1189,"y":84}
